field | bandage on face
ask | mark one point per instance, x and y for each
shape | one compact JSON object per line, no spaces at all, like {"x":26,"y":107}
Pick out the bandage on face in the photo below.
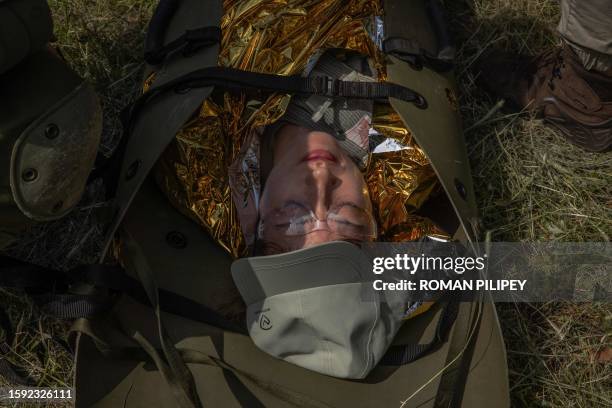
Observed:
{"x":347,"y":220}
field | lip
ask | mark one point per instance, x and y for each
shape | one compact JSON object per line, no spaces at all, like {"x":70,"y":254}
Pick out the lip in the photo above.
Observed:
{"x":320,"y":154}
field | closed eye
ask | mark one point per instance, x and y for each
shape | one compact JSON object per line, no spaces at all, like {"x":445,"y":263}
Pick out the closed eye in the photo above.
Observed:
{"x":290,"y":204}
{"x":300,"y":221}
{"x":351,"y":214}
{"x":282,"y":216}
{"x":339,"y":220}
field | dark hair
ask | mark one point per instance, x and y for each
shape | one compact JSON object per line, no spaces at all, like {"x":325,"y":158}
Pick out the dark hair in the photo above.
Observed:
{"x":264,"y":248}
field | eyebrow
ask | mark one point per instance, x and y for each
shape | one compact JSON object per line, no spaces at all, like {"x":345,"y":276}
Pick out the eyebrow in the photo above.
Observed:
{"x":284,"y":205}
{"x":294,"y":202}
{"x":342,"y":204}
{"x":352,"y":204}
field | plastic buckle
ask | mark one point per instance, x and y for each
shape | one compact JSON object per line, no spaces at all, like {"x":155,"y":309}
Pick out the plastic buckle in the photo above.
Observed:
{"x":331,"y":88}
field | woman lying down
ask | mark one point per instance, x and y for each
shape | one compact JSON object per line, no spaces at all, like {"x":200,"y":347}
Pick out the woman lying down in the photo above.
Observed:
{"x":306,"y":190}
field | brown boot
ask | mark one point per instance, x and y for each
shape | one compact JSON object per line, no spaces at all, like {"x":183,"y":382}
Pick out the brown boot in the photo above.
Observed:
{"x":557,"y":88}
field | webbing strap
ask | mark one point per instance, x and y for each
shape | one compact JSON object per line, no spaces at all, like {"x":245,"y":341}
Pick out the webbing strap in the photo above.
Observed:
{"x":404,"y":354}
{"x":192,"y":356}
{"x":188,"y":43}
{"x":20,"y":274}
{"x":72,"y":306}
{"x":171,"y":365}
{"x":49,"y":289}
{"x":42,"y":285}
{"x":230,"y":78}
{"x":245,"y":382}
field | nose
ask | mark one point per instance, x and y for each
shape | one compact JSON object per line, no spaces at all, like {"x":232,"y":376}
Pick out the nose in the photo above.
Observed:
{"x":324,"y":182}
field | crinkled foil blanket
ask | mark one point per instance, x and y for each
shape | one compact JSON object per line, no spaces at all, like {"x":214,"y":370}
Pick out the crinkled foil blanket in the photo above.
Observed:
{"x":279,"y":36}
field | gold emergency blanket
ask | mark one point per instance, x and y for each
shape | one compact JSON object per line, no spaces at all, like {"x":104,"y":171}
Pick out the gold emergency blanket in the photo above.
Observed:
{"x":279,"y":36}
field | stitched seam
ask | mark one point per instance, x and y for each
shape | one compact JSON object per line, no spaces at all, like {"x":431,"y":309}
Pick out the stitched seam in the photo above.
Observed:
{"x":306,"y":260}
{"x":369,"y":356}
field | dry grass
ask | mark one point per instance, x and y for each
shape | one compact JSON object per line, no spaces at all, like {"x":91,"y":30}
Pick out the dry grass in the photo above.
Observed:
{"x":531,"y":185}
{"x":102,"y":40}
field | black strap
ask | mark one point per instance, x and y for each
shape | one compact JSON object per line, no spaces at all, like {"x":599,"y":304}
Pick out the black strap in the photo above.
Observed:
{"x":50,"y":290}
{"x":239,"y":80}
{"x":109,"y":168}
{"x":235,"y":79}
{"x":19,"y":274}
{"x":190,"y":42}
{"x":404,"y":354}
{"x":157,"y":25}
{"x":115,"y":278}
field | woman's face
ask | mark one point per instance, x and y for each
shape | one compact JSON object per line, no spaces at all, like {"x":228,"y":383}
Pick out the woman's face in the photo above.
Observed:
{"x":312,"y":178}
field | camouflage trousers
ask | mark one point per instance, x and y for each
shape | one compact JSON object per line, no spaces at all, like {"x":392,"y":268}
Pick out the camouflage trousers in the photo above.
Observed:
{"x":587,"y":27}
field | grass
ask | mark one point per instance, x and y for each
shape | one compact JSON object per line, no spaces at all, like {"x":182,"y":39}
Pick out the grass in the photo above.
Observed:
{"x":531,"y":186}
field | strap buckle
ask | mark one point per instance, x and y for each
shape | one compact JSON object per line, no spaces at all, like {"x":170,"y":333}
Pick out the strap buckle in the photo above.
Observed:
{"x":330,"y":87}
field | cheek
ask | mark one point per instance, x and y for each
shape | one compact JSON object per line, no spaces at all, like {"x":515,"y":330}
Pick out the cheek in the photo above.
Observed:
{"x":355,"y":188}
{"x":276,"y":187}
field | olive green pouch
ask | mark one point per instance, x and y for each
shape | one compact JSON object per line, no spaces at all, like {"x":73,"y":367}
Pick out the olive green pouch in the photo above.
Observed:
{"x":50,"y":127}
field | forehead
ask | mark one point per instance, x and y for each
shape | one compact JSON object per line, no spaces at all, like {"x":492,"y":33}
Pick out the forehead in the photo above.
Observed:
{"x":292,"y":243}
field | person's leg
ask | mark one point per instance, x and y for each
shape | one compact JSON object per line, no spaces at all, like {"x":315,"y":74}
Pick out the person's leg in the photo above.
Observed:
{"x":587,"y":27}
{"x":569,"y":87}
